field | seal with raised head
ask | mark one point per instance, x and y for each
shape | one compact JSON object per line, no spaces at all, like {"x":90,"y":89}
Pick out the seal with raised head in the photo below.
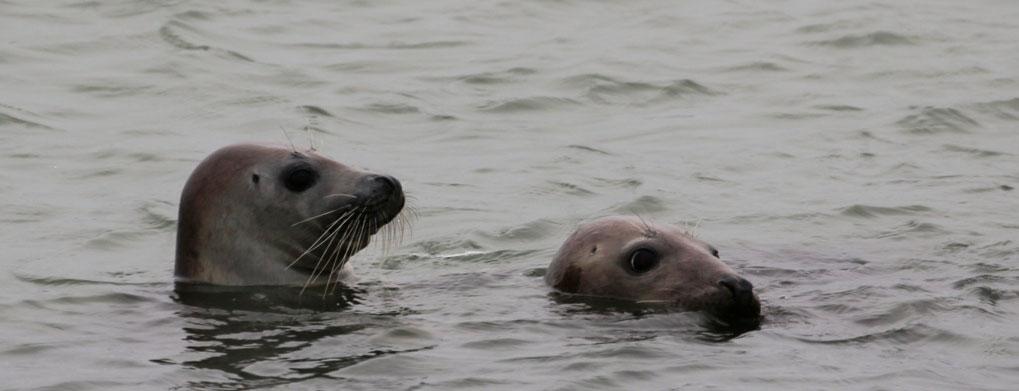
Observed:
{"x":263,"y":215}
{"x":628,"y":258}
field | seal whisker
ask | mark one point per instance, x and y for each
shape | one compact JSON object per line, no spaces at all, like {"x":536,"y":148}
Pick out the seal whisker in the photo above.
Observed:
{"x":287,"y":136}
{"x":331,"y":239}
{"x":318,"y":242}
{"x":339,"y":260}
{"x":328,"y":255}
{"x":351,"y":196}
{"x":339,"y":256}
{"x":317,"y":216}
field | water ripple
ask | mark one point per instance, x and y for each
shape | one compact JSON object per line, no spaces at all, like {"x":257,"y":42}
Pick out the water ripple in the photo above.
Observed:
{"x":1004,"y":109}
{"x":879,"y":38}
{"x":537,"y":103}
{"x":174,"y":32}
{"x":869,"y":211}
{"x":934,"y":120}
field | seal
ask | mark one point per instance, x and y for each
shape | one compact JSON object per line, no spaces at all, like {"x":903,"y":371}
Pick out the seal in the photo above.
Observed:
{"x":628,"y":258}
{"x":263,"y":215}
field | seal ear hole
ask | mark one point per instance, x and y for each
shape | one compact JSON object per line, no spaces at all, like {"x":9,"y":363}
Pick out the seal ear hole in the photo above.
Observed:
{"x":254,"y":178}
{"x":642,"y":260}
{"x":594,"y":249}
{"x":299,"y":177}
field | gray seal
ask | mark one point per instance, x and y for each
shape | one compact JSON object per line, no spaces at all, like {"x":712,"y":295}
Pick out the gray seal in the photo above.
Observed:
{"x":628,"y":258}
{"x":265,"y":215}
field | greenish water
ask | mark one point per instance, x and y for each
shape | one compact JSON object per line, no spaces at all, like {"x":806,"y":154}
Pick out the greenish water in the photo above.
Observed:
{"x":856,"y":160}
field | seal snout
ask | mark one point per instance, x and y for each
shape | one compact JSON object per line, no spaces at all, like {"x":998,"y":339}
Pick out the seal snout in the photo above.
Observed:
{"x":744,"y":305}
{"x":380,"y":189}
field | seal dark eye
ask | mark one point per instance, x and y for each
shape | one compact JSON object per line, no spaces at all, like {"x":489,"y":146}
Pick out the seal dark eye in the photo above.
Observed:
{"x":643,"y":260}
{"x":714,"y":252}
{"x":299,"y":178}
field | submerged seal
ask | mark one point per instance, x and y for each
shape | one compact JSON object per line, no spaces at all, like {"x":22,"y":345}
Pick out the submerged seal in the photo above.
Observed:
{"x":261,"y":215}
{"x":628,"y":258}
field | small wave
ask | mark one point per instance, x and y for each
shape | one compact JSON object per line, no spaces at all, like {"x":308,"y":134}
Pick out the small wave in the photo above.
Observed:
{"x":879,"y":38}
{"x":59,"y":281}
{"x":992,"y":296}
{"x":533,"y":230}
{"x":315,"y":110}
{"x":1004,"y":109}
{"x":173,"y":38}
{"x":403,"y":335}
{"x":112,"y":89}
{"x":496,"y":343}
{"x":587,"y":149}
{"x":838,"y":108}
{"x":396,"y":262}
{"x":984,"y":279}
{"x":537,"y":103}
{"x":932,"y":120}
{"x":158,"y":216}
{"x":758,"y":66}
{"x":9,"y":119}
{"x":486,"y":78}
{"x":910,"y":229}
{"x":869,"y":211}
{"x":114,"y":239}
{"x":169,"y":35}
{"x":623,"y":183}
{"x":973,"y":151}
{"x":903,"y":311}
{"x":897,"y":336}
{"x":642,"y":205}
{"x":687,"y":87}
{"x":604,"y":89}
{"x":567,"y":188}
{"x":392,"y":108}
{"x":389,"y":45}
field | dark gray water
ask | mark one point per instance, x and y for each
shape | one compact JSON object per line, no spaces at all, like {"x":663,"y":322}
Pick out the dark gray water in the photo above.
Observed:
{"x":857,"y":160}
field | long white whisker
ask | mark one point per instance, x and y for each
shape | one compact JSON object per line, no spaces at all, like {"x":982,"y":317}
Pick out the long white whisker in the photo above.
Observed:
{"x":341,"y":195}
{"x":318,"y":242}
{"x":332,"y":241}
{"x":317,"y":216}
{"x":314,"y":270}
{"x":358,"y":237}
{"x":336,"y":240}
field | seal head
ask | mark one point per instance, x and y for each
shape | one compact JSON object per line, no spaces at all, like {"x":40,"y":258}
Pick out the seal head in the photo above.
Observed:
{"x":262,"y":215}
{"x":628,"y":258}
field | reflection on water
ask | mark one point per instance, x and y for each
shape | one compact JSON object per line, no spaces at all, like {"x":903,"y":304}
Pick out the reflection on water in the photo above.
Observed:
{"x":256,"y":334}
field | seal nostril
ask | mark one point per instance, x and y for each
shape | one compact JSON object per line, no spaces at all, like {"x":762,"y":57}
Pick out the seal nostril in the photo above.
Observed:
{"x":386,"y":184}
{"x":380,"y":188}
{"x":738,"y":286}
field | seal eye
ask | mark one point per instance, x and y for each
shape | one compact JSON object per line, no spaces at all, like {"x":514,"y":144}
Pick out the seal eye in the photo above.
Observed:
{"x":643,"y":260}
{"x":299,"y":178}
{"x":714,"y":252}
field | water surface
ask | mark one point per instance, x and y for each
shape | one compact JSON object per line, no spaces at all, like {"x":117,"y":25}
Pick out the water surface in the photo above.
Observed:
{"x":856,"y":160}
